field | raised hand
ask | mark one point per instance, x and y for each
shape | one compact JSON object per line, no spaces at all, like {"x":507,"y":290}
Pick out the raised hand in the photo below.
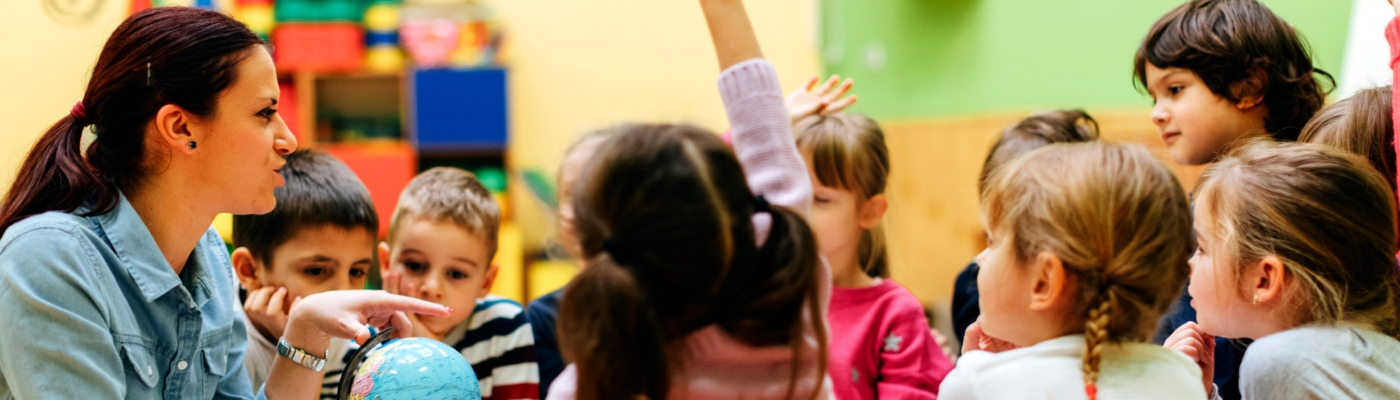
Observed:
{"x":810,"y":99}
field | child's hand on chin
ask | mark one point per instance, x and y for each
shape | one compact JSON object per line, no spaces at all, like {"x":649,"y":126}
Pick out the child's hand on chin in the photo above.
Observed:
{"x":976,"y":340}
{"x":266,"y":308}
{"x":395,"y":284}
{"x":1195,"y":343}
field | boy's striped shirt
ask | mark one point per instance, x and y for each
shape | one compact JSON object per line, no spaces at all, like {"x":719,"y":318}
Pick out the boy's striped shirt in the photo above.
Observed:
{"x":499,"y":344}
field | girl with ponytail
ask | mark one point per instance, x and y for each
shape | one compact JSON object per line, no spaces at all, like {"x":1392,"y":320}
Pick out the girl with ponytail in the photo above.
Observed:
{"x":1087,"y":247}
{"x":110,"y":276}
{"x":703,"y":278}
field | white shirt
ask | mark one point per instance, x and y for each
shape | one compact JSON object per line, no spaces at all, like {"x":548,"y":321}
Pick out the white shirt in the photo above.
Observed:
{"x":1051,"y":370}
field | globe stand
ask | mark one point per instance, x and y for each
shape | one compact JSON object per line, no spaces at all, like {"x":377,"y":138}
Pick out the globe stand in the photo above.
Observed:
{"x":347,"y":378}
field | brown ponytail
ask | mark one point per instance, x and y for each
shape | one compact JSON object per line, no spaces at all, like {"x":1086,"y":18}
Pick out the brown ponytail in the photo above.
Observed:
{"x":169,"y":55}
{"x":664,"y":216}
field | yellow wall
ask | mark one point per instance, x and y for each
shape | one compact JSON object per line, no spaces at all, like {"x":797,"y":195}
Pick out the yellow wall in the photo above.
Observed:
{"x":44,"y":70}
{"x":582,"y":65}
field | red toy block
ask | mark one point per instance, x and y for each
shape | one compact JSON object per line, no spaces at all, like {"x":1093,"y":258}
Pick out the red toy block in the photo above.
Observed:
{"x":253,"y":2}
{"x":385,"y":168}
{"x":321,"y":47}
{"x":289,"y":107}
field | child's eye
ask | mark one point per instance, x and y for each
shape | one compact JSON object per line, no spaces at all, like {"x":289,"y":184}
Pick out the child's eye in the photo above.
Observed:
{"x":358,"y":273}
{"x":314,"y":271}
{"x":1174,"y":90}
{"x":456,"y":275}
{"x":415,"y":266}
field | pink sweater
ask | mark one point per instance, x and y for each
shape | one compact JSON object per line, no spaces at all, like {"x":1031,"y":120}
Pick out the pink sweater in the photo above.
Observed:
{"x":881,"y":347}
{"x":713,"y":364}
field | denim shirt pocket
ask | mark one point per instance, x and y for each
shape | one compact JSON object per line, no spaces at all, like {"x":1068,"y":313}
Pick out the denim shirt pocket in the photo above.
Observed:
{"x":214,"y":351}
{"x":141,"y":364}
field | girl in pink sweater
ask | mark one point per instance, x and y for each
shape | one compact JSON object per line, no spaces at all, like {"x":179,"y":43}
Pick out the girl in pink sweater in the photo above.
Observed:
{"x":703,"y":278}
{"x":881,"y":347}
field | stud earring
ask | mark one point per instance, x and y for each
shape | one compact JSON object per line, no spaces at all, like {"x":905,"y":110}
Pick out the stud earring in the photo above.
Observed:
{"x":1256,"y":299}
{"x":192,"y":145}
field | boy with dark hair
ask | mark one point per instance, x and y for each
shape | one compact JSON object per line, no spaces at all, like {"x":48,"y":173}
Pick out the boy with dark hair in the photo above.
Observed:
{"x":319,"y":238}
{"x":1220,"y":72}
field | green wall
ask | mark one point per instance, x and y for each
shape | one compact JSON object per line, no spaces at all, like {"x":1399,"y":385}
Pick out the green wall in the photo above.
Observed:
{"x":937,"y":58}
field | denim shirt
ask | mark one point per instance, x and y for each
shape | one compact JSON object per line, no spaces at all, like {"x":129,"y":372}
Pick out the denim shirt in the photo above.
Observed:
{"x":89,"y":308}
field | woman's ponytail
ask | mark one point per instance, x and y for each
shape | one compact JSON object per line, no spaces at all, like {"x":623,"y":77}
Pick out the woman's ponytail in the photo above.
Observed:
{"x":54,"y":175}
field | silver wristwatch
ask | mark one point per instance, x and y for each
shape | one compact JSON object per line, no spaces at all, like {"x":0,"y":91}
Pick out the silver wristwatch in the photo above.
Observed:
{"x":300,"y":356}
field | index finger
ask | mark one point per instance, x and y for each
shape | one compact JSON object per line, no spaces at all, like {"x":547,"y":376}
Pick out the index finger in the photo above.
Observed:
{"x":385,"y":303}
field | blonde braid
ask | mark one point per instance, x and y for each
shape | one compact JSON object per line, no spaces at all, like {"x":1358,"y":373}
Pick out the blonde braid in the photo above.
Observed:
{"x":1095,"y":334}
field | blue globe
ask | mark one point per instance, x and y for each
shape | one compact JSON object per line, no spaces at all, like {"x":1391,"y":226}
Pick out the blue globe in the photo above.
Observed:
{"x":415,"y":369}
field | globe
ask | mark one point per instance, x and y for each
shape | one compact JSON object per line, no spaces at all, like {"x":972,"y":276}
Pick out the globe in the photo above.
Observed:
{"x":415,"y":369}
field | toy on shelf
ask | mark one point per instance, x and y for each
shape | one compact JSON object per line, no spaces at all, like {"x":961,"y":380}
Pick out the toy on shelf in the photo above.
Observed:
{"x":382,"y":52}
{"x":258,"y":15}
{"x":321,"y":47}
{"x":320,"y":10}
{"x":451,"y":34}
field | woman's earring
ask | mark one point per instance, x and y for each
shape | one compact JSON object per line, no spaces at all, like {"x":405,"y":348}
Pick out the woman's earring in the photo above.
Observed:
{"x":1256,"y":299}
{"x":192,"y":145}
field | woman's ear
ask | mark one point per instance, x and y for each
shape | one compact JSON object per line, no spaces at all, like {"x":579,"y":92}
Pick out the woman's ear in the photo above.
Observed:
{"x":1265,"y":281}
{"x":247,"y":268}
{"x":172,"y":129}
{"x":1051,"y":284}
{"x":873,"y":211}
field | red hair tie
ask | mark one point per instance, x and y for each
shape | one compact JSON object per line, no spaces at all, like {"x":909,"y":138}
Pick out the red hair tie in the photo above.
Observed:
{"x":79,"y":113}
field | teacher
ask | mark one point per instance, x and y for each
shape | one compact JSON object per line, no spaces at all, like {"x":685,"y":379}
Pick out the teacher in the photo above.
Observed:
{"x":112,"y":284}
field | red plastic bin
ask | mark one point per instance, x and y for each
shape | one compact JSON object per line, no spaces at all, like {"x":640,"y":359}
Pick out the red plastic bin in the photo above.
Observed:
{"x":319,"y":47}
{"x":385,"y":168}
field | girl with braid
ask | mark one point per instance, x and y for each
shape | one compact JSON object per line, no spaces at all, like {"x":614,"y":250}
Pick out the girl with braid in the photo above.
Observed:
{"x":1087,"y":246}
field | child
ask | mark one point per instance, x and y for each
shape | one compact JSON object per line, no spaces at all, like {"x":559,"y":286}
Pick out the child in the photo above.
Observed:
{"x":696,"y":286}
{"x":543,"y":312}
{"x":1034,"y":132}
{"x":1297,"y":251}
{"x":1224,"y":70}
{"x":881,"y":346}
{"x":1087,"y":246}
{"x":319,"y":238}
{"x":441,"y":242}
{"x":1361,"y":125}
{"x":1219,"y":72}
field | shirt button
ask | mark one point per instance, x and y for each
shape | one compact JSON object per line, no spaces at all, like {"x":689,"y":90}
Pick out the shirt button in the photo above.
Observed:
{"x":182,"y":365}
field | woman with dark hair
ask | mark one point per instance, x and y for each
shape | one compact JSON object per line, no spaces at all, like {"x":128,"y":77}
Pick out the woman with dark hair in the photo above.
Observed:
{"x":112,"y":284}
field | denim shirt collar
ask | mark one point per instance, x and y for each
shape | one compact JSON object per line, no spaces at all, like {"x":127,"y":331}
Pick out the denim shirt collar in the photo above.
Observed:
{"x":142,"y":258}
